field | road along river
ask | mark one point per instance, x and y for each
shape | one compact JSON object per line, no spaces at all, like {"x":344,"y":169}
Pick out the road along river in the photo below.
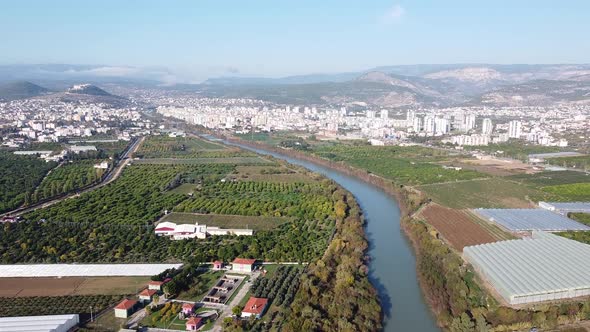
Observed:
{"x":393,"y":265}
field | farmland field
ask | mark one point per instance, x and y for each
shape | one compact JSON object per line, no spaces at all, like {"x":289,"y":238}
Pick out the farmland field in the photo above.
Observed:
{"x":456,"y":227}
{"x":184,"y":147}
{"x":404,"y":165}
{"x":579,"y":162}
{"x":199,"y":161}
{"x":576,"y":192}
{"x":552,"y":178}
{"x":24,"y":287}
{"x":226,"y":221}
{"x":488,"y":193}
{"x":67,"y":177}
{"x":55,"y":305}
{"x":270,"y":174}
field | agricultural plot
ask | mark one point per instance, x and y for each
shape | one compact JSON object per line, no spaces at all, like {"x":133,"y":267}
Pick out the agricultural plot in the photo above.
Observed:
{"x":575,"y":192}
{"x":67,"y":177}
{"x":256,"y":223}
{"x":456,"y":227}
{"x":24,"y":287}
{"x":488,"y":193}
{"x":280,"y":287}
{"x":269,"y":174}
{"x":20,"y":177}
{"x":404,"y":165}
{"x":180,"y":147}
{"x":544,"y":179}
{"x":579,"y":162}
{"x":55,"y":305}
{"x":253,"y":160}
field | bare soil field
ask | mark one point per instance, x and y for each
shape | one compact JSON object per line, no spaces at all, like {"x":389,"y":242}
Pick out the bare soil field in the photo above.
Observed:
{"x":456,"y":227}
{"x":25,"y":287}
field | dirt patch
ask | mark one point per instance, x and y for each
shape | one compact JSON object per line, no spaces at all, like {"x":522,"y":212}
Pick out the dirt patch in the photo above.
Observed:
{"x":456,"y":227}
{"x":25,"y":287}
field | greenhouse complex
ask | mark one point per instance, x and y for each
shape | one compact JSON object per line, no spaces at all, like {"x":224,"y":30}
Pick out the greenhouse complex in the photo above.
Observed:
{"x":541,"y":268}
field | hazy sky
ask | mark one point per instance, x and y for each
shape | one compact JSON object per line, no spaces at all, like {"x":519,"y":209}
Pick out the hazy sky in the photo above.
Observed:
{"x":281,"y":37}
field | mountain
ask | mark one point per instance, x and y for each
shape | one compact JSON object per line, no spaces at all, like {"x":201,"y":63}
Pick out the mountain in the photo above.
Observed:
{"x":538,"y":93}
{"x":21,"y":89}
{"x":88,"y":89}
{"x":299,"y":79}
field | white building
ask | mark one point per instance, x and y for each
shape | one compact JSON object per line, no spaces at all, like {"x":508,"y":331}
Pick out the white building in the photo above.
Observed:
{"x":514,"y":129}
{"x":487,"y":127}
{"x":49,"y":323}
{"x":429,"y":124}
{"x":384,"y":114}
{"x":190,"y":231}
{"x":417,"y":125}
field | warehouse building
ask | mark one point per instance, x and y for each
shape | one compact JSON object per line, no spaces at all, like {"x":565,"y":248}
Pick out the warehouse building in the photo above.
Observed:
{"x":51,"y":323}
{"x":519,"y":220}
{"x":544,"y":267}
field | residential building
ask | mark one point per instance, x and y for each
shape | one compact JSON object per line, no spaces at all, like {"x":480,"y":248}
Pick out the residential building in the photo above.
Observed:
{"x":487,"y":127}
{"x":514,"y":129}
{"x":255,"y":307}
{"x":194,"y":323}
{"x":243,"y":265}
{"x":125,"y":308}
{"x":147,"y":295}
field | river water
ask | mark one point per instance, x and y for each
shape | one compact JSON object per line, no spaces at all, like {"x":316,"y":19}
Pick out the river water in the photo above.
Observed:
{"x":393,"y":265}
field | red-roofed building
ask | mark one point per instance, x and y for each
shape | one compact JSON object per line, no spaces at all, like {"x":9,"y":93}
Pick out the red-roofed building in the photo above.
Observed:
{"x":217,"y":265}
{"x":255,"y":307}
{"x":147,"y":295}
{"x":193,"y":323}
{"x":157,"y":285}
{"x":125,"y":308}
{"x":188,"y":308}
{"x":243,"y":265}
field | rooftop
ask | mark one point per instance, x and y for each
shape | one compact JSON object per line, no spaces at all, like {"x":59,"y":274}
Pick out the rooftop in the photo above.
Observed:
{"x":255,"y":305}
{"x":530,"y":220}
{"x":543,"y":267}
{"x":246,"y":261}
{"x":126,"y":304}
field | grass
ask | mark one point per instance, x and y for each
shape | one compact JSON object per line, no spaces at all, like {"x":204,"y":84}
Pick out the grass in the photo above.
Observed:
{"x":584,"y":218}
{"x":570,"y":192}
{"x":111,"y":285}
{"x":106,"y":322}
{"x":256,"y":223}
{"x":184,"y":189}
{"x":196,"y":161}
{"x":551,"y":178}
{"x":488,"y":193}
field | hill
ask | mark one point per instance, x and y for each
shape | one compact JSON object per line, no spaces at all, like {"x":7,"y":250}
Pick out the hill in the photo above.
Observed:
{"x":88,"y":89}
{"x":21,"y":89}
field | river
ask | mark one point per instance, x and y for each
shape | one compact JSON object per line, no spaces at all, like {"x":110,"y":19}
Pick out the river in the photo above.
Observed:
{"x":393,"y":265}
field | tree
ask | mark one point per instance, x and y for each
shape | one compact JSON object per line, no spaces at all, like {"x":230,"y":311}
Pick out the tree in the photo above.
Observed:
{"x":237,"y":311}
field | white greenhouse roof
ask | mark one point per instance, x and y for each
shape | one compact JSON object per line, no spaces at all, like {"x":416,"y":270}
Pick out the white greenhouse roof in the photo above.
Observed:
{"x":531,"y":220}
{"x":544,"y":267}
{"x":569,"y":206}
{"x":49,"y":323}
{"x":82,"y":270}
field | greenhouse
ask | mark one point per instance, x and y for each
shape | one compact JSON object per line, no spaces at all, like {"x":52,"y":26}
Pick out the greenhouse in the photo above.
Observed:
{"x":517,"y":220}
{"x":82,"y":270}
{"x":544,"y":267}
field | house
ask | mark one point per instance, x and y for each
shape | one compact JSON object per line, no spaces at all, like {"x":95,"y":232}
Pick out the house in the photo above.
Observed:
{"x":193,"y":323}
{"x":188,"y":308}
{"x":217,"y":265}
{"x":243,"y":265}
{"x":147,"y":295}
{"x":255,"y":307}
{"x":125,"y":308}
{"x":155,"y":285}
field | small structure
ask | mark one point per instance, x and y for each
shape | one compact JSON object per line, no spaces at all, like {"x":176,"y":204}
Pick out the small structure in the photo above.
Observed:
{"x":243,"y":265}
{"x":157,"y":285}
{"x":125,"y":308}
{"x":191,"y":231}
{"x":193,"y":323}
{"x":255,"y":307}
{"x":188,"y":308}
{"x":147,"y":295}
{"x":82,"y":148}
{"x":217,"y":265}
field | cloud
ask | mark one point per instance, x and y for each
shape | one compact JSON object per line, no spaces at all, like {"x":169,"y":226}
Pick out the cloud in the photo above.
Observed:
{"x":394,"y":14}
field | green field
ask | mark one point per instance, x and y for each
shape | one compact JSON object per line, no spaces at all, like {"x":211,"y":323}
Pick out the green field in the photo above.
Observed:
{"x":405,"y":165}
{"x":66,"y":178}
{"x":551,"y":178}
{"x":579,"y":162}
{"x":256,"y":223}
{"x":197,"y":161}
{"x":576,"y":192}
{"x":488,"y":193}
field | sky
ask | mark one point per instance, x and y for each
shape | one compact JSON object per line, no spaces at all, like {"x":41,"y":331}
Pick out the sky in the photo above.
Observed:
{"x":201,"y":38}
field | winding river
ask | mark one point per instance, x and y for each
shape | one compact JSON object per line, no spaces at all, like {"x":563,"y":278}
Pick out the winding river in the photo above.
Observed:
{"x":393,"y":265}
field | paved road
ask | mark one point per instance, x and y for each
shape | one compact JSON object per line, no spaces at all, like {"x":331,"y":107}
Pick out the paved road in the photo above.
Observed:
{"x":112,"y":176}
